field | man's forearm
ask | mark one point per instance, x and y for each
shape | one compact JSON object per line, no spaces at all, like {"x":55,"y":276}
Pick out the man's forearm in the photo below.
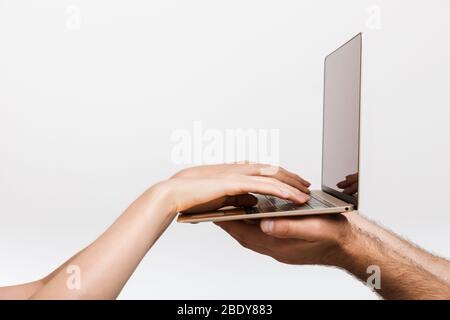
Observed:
{"x":398,"y":277}
{"x":438,"y":266}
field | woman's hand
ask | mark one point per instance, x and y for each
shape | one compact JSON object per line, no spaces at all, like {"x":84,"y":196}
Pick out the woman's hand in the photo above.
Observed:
{"x":226,"y":172}
{"x":248,"y":169}
{"x":213,"y":192}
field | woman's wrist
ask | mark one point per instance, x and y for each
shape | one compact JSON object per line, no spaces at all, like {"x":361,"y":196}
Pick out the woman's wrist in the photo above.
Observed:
{"x":160,"y":199}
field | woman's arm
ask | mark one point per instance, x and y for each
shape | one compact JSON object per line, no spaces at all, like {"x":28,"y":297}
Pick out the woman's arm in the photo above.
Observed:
{"x":111,"y":259}
{"x":26,"y":290}
{"x":104,"y":267}
{"x":21,"y":291}
{"x":101,"y":270}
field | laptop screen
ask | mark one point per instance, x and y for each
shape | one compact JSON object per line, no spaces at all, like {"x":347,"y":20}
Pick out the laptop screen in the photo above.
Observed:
{"x":342,"y":91}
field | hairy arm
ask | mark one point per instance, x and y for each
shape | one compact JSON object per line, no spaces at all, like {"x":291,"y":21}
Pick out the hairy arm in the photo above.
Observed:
{"x":352,"y":243}
{"x":404,"y":249}
{"x":401,"y":277}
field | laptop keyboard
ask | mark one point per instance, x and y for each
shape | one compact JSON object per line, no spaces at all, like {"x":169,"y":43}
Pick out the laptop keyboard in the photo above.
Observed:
{"x":274,"y":204}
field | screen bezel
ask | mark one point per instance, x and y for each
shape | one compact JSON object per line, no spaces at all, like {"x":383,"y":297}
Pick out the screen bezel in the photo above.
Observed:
{"x":338,"y":194}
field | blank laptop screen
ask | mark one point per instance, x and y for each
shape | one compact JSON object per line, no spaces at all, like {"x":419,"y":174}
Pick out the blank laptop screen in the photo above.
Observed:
{"x":342,"y":91}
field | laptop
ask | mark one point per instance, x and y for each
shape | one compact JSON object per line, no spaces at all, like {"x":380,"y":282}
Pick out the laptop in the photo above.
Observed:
{"x":340,"y":148}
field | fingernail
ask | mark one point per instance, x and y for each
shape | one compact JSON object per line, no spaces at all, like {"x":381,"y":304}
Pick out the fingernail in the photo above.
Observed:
{"x":267,"y":226}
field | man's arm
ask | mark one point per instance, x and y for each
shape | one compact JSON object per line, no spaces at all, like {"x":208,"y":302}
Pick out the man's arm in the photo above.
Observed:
{"x":438,"y":266}
{"x":400,"y":276}
{"x":350,"y":243}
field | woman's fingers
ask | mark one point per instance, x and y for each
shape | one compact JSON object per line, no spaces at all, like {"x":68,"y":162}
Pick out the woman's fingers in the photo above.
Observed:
{"x":208,"y":206}
{"x":242,"y":200}
{"x":264,"y":185}
{"x":249,"y":169}
{"x":283,"y":175}
{"x":295,"y":194}
{"x":295,"y":177}
{"x":289,"y":179}
{"x":191,"y":193}
{"x":256,"y":169}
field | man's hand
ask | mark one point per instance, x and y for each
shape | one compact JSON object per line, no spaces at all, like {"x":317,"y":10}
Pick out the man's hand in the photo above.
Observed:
{"x":336,"y":240}
{"x":350,"y":184}
{"x":302,"y":240}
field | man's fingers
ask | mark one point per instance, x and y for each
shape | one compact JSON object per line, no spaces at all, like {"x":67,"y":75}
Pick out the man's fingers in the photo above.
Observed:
{"x":343,"y":184}
{"x":351,"y":189}
{"x":349,"y":180}
{"x":247,"y":233}
{"x":304,"y":228}
{"x":352,"y":178}
{"x":251,"y":237}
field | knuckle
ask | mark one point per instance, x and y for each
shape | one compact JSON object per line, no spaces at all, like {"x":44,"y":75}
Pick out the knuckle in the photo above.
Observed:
{"x":275,"y":181}
{"x":255,"y":166}
{"x":268,"y":169}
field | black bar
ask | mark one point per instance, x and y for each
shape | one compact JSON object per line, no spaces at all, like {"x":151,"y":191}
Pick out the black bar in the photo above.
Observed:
{"x":219,"y":309}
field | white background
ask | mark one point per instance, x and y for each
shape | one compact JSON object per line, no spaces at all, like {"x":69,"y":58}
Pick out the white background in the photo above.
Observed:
{"x":86,"y":116}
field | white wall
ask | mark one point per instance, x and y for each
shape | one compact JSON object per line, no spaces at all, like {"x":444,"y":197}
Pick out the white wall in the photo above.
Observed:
{"x":87,"y":111}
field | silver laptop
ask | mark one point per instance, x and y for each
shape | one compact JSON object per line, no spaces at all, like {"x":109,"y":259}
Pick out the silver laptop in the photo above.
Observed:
{"x":340,"y":147}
